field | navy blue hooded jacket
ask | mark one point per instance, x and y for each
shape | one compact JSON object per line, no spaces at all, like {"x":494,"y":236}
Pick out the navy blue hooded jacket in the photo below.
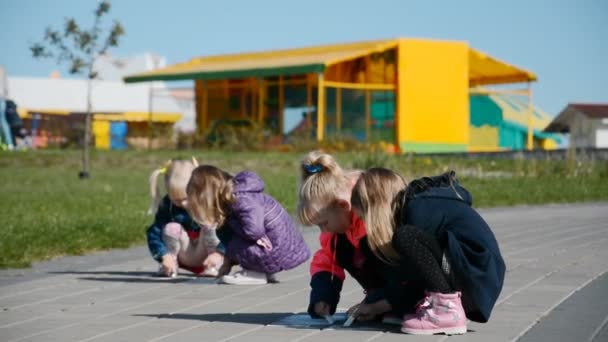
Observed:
{"x":441,"y":207}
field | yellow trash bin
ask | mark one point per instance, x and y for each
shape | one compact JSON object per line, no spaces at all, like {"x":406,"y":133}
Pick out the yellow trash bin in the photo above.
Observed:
{"x":101,"y":132}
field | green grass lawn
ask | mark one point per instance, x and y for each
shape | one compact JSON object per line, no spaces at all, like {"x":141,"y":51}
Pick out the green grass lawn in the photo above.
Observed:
{"x":47,"y":211}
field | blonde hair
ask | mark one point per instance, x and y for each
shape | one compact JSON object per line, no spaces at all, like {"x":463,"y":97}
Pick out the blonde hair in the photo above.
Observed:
{"x":322,"y":182}
{"x":376,"y":196}
{"x":210,"y":192}
{"x":176,"y":175}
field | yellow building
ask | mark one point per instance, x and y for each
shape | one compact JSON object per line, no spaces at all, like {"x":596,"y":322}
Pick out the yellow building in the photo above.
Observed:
{"x":414,"y":93}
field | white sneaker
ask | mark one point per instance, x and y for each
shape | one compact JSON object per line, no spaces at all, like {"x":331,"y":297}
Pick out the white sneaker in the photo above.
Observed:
{"x":161,"y":273}
{"x":245,"y":277}
{"x":210,"y":272}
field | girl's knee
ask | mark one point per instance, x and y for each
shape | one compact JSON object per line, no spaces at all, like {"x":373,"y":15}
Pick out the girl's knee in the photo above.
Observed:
{"x":173,"y":230}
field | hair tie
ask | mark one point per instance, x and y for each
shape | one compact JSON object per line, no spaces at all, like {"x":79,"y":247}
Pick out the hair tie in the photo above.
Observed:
{"x":312,"y":169}
{"x":163,"y":170}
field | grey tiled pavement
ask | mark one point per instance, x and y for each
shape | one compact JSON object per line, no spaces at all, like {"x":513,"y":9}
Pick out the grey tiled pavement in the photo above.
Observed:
{"x":551,"y":253}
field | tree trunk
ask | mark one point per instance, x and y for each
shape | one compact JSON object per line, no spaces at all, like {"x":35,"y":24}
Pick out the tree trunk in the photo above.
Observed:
{"x":87,"y":135}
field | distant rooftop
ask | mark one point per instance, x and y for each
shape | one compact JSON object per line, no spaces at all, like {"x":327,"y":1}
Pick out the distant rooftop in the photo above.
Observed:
{"x":561,"y":123}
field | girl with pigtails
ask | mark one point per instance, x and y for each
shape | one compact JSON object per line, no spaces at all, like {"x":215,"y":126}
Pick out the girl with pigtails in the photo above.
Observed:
{"x":175,"y":240}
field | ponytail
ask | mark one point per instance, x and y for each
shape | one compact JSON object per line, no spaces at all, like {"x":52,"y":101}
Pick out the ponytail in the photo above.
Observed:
{"x":322,"y":181}
{"x":155,"y":194}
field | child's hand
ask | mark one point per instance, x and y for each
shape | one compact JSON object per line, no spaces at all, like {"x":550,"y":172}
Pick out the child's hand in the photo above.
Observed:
{"x":363,"y":312}
{"x":169,"y":265}
{"x":367,"y":312}
{"x":214,"y":259}
{"x":265,"y":243}
{"x":322,"y":309}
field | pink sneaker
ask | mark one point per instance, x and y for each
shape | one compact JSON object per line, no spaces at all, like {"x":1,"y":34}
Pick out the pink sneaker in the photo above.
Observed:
{"x":438,"y":313}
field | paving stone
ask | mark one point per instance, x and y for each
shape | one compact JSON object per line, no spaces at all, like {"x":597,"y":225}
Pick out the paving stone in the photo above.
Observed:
{"x":551,"y":252}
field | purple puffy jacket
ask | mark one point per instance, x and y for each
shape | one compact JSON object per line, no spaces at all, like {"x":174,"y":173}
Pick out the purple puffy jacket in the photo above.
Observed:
{"x":254,"y":215}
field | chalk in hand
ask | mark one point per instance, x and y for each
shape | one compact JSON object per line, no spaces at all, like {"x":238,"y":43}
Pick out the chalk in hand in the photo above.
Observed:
{"x":351,"y":318}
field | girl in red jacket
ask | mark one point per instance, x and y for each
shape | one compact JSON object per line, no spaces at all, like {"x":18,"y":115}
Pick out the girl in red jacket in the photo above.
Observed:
{"x":324,"y":201}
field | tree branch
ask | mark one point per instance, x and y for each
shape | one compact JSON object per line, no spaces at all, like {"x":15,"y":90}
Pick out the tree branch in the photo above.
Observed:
{"x":86,"y":44}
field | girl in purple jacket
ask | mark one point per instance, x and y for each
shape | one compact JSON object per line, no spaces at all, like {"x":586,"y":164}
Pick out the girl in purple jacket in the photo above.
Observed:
{"x":263,"y":238}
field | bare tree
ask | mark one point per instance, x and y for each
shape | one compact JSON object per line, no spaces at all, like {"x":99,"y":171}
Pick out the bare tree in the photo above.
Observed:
{"x":79,"y":48}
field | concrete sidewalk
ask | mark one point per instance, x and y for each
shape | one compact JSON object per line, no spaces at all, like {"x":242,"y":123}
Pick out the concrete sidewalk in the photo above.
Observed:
{"x":551,"y":253}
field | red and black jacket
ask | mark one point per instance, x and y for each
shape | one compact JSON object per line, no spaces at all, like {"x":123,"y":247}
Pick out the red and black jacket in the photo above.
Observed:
{"x":350,"y":251}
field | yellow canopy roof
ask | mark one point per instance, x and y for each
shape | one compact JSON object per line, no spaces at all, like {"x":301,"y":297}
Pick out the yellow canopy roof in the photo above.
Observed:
{"x":139,"y":117}
{"x":261,"y":64}
{"x":27,"y":113}
{"x":483,"y":69}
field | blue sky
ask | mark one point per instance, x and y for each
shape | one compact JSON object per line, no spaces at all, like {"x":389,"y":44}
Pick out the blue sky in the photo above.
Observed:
{"x":564,"y":42}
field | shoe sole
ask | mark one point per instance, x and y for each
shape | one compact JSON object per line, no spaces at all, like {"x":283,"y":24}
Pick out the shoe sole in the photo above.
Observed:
{"x":207,"y":275}
{"x":392,"y":321}
{"x":241,"y":282}
{"x":447,"y":331}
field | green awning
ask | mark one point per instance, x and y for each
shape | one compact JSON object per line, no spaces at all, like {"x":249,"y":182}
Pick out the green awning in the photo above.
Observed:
{"x":226,"y":74}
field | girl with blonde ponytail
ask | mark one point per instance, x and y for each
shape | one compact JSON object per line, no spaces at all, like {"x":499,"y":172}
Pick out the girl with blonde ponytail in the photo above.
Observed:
{"x":324,"y":194}
{"x":173,"y":238}
{"x":325,"y":201}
